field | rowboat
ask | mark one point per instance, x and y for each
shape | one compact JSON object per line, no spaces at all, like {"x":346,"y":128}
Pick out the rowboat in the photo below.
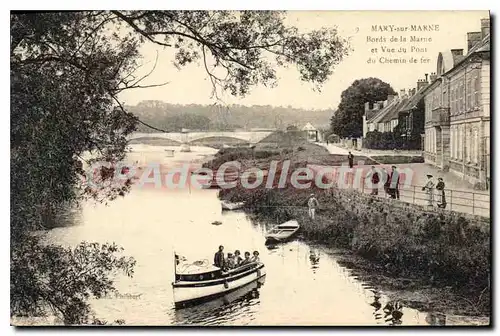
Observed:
{"x":226,"y":205}
{"x":282,"y":232}
{"x":200,"y":282}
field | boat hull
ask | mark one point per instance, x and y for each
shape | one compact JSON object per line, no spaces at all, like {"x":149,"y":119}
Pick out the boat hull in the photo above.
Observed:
{"x":232,"y":206}
{"x":189,"y":293}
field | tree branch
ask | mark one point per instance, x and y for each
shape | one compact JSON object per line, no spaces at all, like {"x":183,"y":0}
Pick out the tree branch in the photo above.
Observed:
{"x":131,"y":23}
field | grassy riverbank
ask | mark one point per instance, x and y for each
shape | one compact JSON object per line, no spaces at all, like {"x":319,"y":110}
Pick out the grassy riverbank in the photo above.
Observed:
{"x":400,"y":245}
{"x":402,"y":241}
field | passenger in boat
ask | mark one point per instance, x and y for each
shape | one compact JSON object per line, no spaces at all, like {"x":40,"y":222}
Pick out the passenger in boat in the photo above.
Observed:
{"x":219,"y":257}
{"x":230,"y":261}
{"x":247,"y":259}
{"x":255,"y":257}
{"x":237,"y":258}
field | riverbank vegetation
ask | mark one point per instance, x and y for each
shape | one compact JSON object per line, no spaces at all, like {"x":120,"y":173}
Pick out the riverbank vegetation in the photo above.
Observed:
{"x":281,"y":146}
{"x":438,"y":248}
{"x":402,"y":240}
{"x":67,"y":71}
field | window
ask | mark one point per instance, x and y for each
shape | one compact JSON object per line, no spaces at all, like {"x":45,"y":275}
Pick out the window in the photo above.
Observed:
{"x":461,"y":96}
{"x":454,"y":100}
{"x":469,"y":94}
{"x":476,"y":90}
{"x":460,"y":142}
{"x":452,"y":131}
{"x":476,"y":146}
{"x":453,"y":144}
{"x":467,"y":147}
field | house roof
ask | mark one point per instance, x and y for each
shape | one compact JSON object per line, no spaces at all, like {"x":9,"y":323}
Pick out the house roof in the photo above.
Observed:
{"x":381,"y":113}
{"x":413,"y":100}
{"x":394,"y":111}
{"x":484,"y":45}
{"x":309,"y":127}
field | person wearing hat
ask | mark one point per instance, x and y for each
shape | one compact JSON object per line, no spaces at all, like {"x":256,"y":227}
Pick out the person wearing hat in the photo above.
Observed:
{"x":429,"y":188}
{"x":312,"y":203}
{"x":441,"y":199}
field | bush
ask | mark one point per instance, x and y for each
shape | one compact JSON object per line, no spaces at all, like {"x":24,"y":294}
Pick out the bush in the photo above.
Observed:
{"x":391,"y":140}
{"x":399,"y":159}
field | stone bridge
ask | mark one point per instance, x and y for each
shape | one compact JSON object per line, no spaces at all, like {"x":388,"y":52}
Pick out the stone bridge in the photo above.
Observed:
{"x":251,"y":137}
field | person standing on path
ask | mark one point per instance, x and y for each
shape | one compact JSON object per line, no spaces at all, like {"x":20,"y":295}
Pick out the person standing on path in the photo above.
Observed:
{"x":429,"y":189}
{"x":394,"y":183}
{"x":350,"y":158}
{"x":313,"y":204}
{"x":441,"y":199}
{"x":387,"y":182}
{"x":375,"y":179}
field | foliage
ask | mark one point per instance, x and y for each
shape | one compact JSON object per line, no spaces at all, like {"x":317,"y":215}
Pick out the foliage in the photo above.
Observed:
{"x":169,"y":117}
{"x":60,"y":280}
{"x":67,"y":70}
{"x":348,"y":118}
{"x":391,"y":140}
{"x":399,"y":159}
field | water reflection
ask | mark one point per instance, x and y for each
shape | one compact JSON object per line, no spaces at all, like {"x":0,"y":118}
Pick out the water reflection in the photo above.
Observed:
{"x":223,"y":309}
{"x":436,"y":319}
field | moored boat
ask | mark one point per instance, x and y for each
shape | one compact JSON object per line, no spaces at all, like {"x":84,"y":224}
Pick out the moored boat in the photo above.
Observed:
{"x":201,"y":282}
{"x":226,"y":205}
{"x":282,"y":232}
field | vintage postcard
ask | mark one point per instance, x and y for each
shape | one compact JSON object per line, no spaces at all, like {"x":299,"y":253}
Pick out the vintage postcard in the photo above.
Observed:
{"x":250,"y":168}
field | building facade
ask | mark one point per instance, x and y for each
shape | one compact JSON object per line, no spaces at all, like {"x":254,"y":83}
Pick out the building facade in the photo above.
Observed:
{"x":403,"y":112}
{"x":457,"y":110}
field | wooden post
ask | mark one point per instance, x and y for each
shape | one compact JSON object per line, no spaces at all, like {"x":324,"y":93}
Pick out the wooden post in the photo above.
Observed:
{"x":473,"y":201}
{"x":451,"y":199}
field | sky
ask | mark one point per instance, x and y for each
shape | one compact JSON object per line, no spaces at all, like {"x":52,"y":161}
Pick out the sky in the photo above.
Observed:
{"x":191,"y":84}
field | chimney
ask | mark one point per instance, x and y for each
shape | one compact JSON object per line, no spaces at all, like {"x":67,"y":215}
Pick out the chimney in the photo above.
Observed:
{"x":421,"y":83}
{"x":390,"y":98}
{"x":485,"y":27}
{"x":433,"y":76}
{"x":426,"y":77}
{"x":458,"y":54}
{"x":412,"y":92}
{"x":367,"y":107}
{"x":472,"y":39}
{"x":402,"y":93}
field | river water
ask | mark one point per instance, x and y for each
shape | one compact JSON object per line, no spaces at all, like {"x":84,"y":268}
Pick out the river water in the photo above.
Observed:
{"x":150,"y":224}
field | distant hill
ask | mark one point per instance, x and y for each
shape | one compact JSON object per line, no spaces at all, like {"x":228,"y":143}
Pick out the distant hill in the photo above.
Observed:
{"x":174,"y":117}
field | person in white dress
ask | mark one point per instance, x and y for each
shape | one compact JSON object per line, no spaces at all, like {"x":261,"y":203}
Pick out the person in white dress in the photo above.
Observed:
{"x":429,"y":190}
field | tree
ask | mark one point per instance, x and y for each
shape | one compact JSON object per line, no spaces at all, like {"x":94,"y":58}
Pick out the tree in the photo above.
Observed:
{"x":348,"y":119}
{"x":67,"y":70}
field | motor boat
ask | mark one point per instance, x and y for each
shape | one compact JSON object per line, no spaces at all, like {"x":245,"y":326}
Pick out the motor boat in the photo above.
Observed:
{"x":226,"y":205}
{"x":282,"y":232}
{"x":198,"y":314}
{"x":200,"y":281}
